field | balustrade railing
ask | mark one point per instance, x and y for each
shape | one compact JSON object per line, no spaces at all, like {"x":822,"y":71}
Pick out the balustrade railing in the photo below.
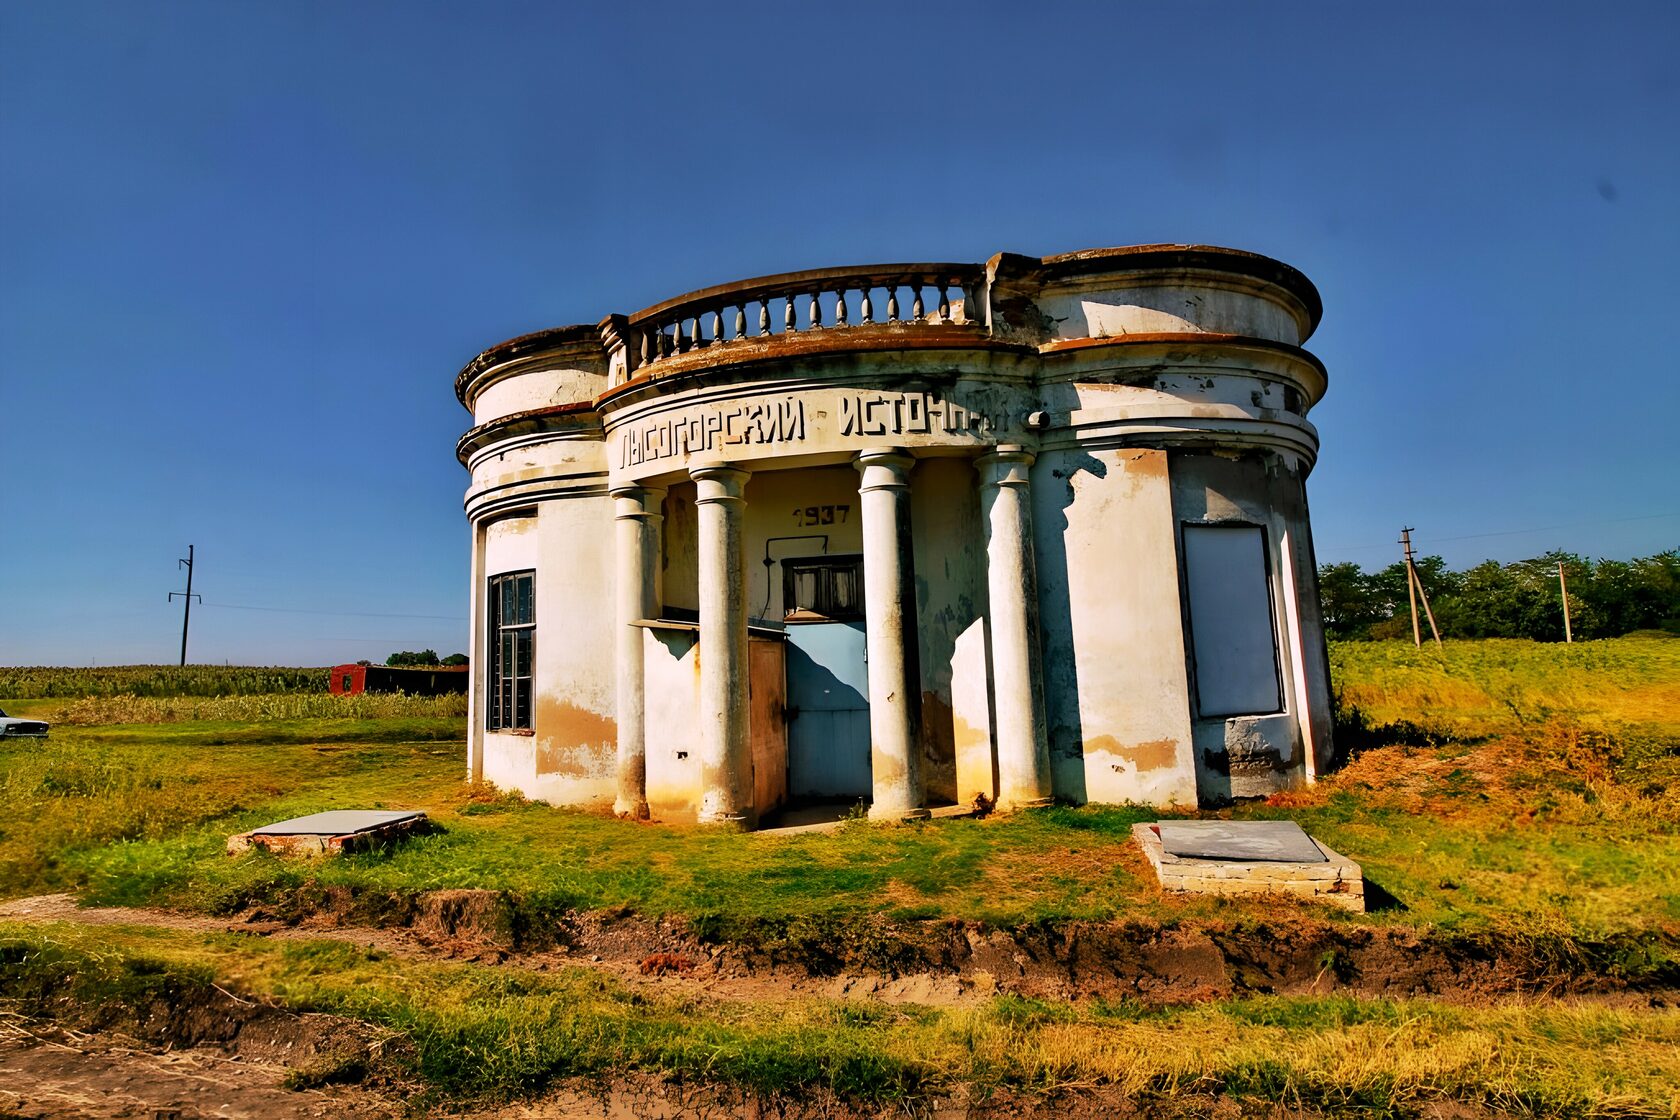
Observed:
{"x":795,"y":303}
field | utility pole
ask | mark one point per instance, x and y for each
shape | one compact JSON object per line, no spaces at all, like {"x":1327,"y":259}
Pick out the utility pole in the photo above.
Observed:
{"x":1568,"y":634}
{"x":1411,"y":593}
{"x":187,"y":597}
{"x":1415,"y":591}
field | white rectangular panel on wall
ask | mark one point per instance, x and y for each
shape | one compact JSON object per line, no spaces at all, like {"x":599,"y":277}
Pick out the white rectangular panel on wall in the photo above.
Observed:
{"x":1231,"y":632}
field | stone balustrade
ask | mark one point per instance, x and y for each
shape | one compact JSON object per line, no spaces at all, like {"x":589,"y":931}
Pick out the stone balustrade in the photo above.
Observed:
{"x":896,"y":295}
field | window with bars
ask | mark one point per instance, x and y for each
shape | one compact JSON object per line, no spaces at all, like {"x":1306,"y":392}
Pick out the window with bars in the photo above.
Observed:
{"x":825,"y":589}
{"x":513,"y":648}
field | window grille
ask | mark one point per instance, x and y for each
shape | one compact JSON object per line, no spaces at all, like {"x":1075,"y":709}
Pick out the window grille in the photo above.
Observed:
{"x":823,"y":589}
{"x":513,"y":648}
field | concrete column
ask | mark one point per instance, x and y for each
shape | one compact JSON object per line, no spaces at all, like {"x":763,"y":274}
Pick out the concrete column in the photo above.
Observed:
{"x":638,"y":520}
{"x":889,"y":598}
{"x":1023,"y":749}
{"x":478,"y":661}
{"x":725,"y":758}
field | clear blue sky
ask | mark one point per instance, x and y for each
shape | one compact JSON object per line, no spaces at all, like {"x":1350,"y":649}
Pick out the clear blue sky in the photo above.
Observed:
{"x":245,"y":247}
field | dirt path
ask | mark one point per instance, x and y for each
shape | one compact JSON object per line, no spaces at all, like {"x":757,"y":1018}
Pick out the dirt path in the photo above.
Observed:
{"x":48,"y":1073}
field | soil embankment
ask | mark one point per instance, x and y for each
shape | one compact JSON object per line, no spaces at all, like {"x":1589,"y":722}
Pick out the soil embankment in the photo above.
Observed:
{"x":198,"y":1050}
{"x":946,"y":962}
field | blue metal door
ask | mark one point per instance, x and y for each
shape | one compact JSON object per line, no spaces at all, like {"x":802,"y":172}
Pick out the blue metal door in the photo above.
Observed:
{"x":828,"y":685}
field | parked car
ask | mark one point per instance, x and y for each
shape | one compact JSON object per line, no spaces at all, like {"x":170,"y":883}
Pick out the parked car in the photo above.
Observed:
{"x":12,"y":728}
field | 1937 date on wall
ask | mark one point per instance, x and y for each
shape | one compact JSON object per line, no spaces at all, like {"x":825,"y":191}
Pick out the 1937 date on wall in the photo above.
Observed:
{"x":821,"y":515}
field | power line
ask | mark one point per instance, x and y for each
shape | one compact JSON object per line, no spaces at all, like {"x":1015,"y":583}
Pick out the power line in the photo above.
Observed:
{"x":1507,"y":532}
{"x":345,"y":614}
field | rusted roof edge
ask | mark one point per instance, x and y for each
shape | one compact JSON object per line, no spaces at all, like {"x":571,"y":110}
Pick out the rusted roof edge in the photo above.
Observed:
{"x":523,"y":346}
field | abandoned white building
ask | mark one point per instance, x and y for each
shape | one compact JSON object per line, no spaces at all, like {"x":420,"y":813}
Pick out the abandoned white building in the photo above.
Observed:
{"x":910,"y":534}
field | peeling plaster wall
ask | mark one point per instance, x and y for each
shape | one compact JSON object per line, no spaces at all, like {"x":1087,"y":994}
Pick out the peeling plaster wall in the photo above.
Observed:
{"x":1113,"y":634}
{"x":950,"y":561}
{"x":538,"y":469}
{"x":814,"y":502}
{"x":569,"y":758}
{"x":1102,"y":311}
{"x":679,"y":551}
{"x":510,"y":545}
{"x":536,"y":389}
{"x":1253,"y":756}
{"x":576,"y":709}
{"x":1307,"y":666}
{"x":671,"y":656}
{"x":672,"y":660}
{"x":789,"y":503}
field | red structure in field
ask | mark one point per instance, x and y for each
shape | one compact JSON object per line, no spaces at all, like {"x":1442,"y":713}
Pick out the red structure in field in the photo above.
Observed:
{"x":430,"y":681}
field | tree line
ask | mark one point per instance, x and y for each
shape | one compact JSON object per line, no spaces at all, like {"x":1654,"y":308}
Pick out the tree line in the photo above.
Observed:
{"x":1607,"y":598}
{"x":426,"y":658}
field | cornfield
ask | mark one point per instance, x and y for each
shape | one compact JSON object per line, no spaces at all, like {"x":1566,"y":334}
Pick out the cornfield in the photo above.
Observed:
{"x":39,"y":681}
{"x":271,"y":707}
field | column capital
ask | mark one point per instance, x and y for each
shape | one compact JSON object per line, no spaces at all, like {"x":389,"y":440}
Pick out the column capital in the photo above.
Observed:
{"x":1006,"y":465}
{"x":883,"y":468}
{"x":634,"y":500}
{"x":719,"y":482}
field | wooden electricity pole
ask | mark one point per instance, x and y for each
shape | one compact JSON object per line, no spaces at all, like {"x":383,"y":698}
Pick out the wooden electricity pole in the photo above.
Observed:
{"x":187,"y":597}
{"x":1415,"y":591}
{"x":1568,"y":634}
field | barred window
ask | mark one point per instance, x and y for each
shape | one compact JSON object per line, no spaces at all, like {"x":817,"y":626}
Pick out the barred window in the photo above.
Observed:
{"x":829,"y":589}
{"x":513,"y":648}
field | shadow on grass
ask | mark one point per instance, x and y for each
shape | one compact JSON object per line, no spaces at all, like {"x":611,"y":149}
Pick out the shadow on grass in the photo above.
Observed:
{"x":1378,"y":900}
{"x":1353,"y":732}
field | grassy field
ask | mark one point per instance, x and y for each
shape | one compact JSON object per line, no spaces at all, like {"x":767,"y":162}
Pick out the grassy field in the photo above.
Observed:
{"x":1558,"y":820}
{"x":1474,"y":689}
{"x":1504,"y":787}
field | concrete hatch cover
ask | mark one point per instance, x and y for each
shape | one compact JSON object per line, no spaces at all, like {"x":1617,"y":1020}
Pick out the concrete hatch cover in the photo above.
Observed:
{"x":333,"y":832}
{"x":1247,"y":841}
{"x":337,"y":822}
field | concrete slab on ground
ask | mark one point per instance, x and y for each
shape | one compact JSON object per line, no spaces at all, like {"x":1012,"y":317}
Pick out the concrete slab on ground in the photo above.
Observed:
{"x":1326,"y":877}
{"x":332,"y":832}
{"x":337,"y":822}
{"x":1273,"y":841}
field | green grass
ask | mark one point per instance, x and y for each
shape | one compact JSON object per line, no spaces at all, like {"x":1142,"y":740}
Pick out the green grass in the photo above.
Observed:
{"x":1560,"y":823}
{"x":1504,"y":789}
{"x":1474,"y":689}
{"x":472,"y":1031}
{"x":140,"y":815}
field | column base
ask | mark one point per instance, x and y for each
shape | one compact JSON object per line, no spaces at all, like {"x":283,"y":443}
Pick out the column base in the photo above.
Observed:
{"x":1010,"y":805}
{"x":734,"y":822}
{"x":631,"y":810}
{"x":891,"y":814}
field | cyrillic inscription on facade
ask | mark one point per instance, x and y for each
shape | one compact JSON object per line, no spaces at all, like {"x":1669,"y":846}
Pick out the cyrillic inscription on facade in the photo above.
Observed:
{"x":908,"y":414}
{"x":757,"y":423}
{"x":861,"y":415}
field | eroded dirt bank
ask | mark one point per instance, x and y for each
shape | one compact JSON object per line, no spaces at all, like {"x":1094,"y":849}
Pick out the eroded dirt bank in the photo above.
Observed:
{"x":942,"y":962}
{"x":196,"y":1051}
